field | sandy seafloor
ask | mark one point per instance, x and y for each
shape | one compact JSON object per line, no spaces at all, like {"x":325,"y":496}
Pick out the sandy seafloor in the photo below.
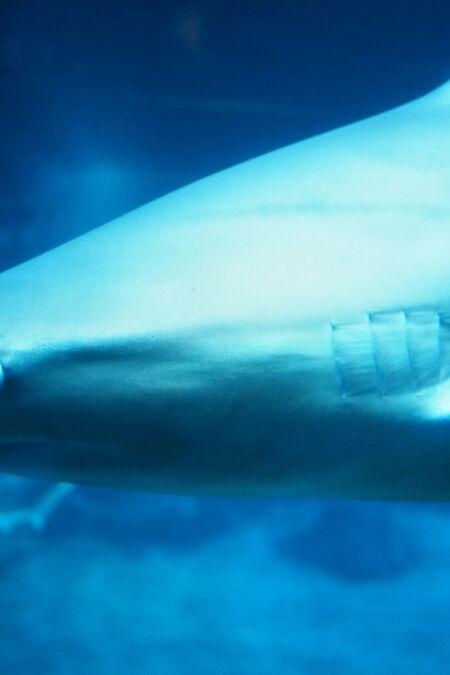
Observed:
{"x":120,"y":583}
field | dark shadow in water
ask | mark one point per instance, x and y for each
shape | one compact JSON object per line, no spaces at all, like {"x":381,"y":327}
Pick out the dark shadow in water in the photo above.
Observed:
{"x":356,"y":541}
{"x":135,"y":522}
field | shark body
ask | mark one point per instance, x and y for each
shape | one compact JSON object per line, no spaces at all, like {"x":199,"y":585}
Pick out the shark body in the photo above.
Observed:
{"x":281,"y":328}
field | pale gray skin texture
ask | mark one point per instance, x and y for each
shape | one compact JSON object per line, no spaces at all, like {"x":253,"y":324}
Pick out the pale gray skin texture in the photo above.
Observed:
{"x":277,"y":329}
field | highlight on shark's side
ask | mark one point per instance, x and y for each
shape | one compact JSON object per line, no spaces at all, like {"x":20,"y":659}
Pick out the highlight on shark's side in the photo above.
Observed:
{"x":281,"y":328}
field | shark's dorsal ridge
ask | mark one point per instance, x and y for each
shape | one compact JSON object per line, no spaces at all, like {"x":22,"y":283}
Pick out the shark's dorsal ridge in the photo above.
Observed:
{"x":439,"y":96}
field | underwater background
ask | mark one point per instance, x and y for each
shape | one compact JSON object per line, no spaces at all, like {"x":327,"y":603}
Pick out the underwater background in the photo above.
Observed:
{"x":105,"y":106}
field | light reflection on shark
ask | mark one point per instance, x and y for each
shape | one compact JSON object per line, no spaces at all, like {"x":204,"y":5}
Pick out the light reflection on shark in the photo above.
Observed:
{"x":280,"y":328}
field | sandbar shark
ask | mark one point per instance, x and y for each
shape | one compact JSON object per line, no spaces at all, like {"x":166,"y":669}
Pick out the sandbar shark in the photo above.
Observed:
{"x":281,"y":328}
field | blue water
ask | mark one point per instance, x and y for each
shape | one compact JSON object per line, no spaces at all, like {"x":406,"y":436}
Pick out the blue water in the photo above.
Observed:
{"x":106,"y":105}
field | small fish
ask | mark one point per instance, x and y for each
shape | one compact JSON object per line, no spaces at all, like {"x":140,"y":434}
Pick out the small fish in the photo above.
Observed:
{"x":281,"y":328}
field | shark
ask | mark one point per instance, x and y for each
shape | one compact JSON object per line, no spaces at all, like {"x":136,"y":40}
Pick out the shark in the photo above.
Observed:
{"x":280,"y":328}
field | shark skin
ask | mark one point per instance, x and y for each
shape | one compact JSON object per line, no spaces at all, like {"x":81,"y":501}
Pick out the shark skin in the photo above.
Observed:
{"x":281,"y":328}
